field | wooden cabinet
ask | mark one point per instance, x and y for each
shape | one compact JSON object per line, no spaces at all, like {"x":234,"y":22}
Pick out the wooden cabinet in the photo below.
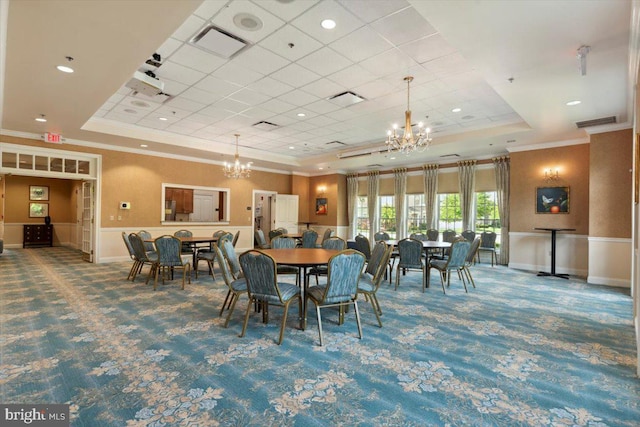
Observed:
{"x":183,"y":198}
{"x":37,"y":235}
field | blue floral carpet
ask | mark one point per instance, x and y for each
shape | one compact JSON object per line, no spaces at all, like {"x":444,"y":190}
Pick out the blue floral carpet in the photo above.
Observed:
{"x":516,"y":350}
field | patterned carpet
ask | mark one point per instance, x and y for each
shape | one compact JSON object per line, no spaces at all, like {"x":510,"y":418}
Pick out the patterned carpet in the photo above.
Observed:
{"x":517,"y":350}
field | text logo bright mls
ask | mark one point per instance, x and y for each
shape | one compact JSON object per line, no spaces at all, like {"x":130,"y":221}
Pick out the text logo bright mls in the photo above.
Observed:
{"x":35,"y":415}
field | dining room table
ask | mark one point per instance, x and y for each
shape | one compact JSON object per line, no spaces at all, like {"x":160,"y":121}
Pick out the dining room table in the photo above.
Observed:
{"x":426,"y":245}
{"x":195,"y":243}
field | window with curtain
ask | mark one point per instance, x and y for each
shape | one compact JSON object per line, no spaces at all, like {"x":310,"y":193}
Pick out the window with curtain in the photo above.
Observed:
{"x":449,"y":212}
{"x":362,"y":216}
{"x":387,"y":215}
{"x":487,"y":215}
{"x":416,"y":216}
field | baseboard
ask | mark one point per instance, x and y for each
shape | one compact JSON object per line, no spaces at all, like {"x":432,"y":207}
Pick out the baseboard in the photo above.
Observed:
{"x":616,"y":283}
{"x":536,"y":268}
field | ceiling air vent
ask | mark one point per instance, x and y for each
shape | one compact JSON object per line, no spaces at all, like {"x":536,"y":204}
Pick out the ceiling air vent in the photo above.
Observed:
{"x":450,"y":155}
{"x":345,"y":99}
{"x":265,"y":125}
{"x":335,"y":142}
{"x":219,"y":42}
{"x":596,"y":122}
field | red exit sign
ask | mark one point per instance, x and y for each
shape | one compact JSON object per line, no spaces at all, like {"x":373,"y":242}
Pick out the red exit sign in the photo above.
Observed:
{"x":55,"y":138}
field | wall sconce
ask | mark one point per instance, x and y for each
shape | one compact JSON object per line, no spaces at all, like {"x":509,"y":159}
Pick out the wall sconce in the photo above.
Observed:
{"x":551,"y":174}
{"x":322,"y":189}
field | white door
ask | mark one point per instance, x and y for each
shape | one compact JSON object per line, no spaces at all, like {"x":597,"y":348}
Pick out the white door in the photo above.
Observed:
{"x":87,"y":221}
{"x":286,"y":212}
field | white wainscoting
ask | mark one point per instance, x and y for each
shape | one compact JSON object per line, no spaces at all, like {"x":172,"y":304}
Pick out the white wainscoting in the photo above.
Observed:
{"x":64,"y":234}
{"x":610,"y":261}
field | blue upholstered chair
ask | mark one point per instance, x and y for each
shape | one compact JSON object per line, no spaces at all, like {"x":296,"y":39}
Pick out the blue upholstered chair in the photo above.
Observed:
{"x":229,"y":253}
{"x":237,"y":287}
{"x":335,"y":243}
{"x":208,"y":254}
{"x":374,"y":274}
{"x":143,"y":257}
{"x":341,"y":289}
{"x":146,"y":237}
{"x":186,"y":247}
{"x":455,"y":262}
{"x":325,"y":236}
{"x":410,"y":258}
{"x":419,"y":236}
{"x":433,"y":234}
{"x":169,"y":250}
{"x":132,"y":254}
{"x":381,"y":235}
{"x":309,"y":238}
{"x":488,"y":244}
{"x":470,"y":259}
{"x":264,"y":288}
{"x":261,"y":242}
{"x":280,"y":242}
{"x":469,"y":235}
{"x":235,"y":238}
{"x":363,"y":245}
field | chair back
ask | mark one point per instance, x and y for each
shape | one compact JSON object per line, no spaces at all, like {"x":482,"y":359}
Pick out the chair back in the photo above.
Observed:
{"x":229,"y":253}
{"x":473,"y":249}
{"x":334,"y":242}
{"x":448,"y":236}
{"x":235,"y":238}
{"x":281,"y":242}
{"x":433,"y":234}
{"x":275,"y":233}
{"x":132,"y":254}
{"x":363,"y":245}
{"x":376,"y":257}
{"x":260,"y":240}
{"x":139,"y":248}
{"x":469,"y":235}
{"x":262,"y":278}
{"x":381,"y":235}
{"x":225,"y":236}
{"x":218,"y":233}
{"x":419,"y":236}
{"x":224,"y":266}
{"x":145,"y":236}
{"x":169,"y":249}
{"x":309,"y":238}
{"x":283,"y":230}
{"x":343,"y":275}
{"x":383,"y":261}
{"x":410,"y":252}
{"x":458,"y":254}
{"x":186,"y":247}
{"x":488,"y":240}
{"x":326,"y":234}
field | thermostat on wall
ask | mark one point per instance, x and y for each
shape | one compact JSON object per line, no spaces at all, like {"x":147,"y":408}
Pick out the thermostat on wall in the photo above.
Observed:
{"x":125,"y":205}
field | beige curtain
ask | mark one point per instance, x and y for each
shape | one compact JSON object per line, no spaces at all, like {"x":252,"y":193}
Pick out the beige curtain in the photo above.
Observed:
{"x":502,"y":170}
{"x":373,"y":190}
{"x":352,"y":204}
{"x":400,"y":176}
{"x":467,"y":185}
{"x":430,"y":175}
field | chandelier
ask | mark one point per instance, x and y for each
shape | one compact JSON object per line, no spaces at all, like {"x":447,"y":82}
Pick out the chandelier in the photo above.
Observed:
{"x":408,"y":142}
{"x":236,"y":169}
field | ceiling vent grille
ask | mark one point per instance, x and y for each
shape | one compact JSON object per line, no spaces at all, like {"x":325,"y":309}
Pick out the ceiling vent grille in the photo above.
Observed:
{"x":450,"y":155}
{"x":219,"y":42}
{"x":345,"y":99}
{"x":335,"y":142}
{"x":265,"y":125}
{"x":596,"y":122}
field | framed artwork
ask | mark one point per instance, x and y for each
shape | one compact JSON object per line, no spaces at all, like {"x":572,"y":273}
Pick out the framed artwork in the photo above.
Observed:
{"x":552,"y":200}
{"x":38,"y":192}
{"x":321,"y":206}
{"x":38,"y":210}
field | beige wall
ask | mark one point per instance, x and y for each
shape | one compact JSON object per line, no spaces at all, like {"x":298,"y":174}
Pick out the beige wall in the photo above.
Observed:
{"x":62,"y":199}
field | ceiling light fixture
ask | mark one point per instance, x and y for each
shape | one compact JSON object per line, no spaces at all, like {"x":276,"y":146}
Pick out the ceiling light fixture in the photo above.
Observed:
{"x":65,"y":68}
{"x":237,"y":170}
{"x":164,"y":119}
{"x":571,"y":103}
{"x":301,"y":114}
{"x":408,"y":142}
{"x":328,"y":24}
{"x":456,"y":110}
{"x":41,"y":119}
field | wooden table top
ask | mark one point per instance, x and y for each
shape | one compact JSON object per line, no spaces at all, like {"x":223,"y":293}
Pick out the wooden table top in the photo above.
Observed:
{"x":426,"y":244}
{"x":301,"y":257}
{"x":191,"y":239}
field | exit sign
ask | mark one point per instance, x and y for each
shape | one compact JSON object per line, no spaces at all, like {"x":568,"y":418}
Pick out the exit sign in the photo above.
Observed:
{"x":53,"y":137}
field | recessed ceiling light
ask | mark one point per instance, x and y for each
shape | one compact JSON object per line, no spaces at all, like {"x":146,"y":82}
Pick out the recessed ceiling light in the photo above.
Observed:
{"x":41,"y":119}
{"x":143,"y":145}
{"x":164,"y":119}
{"x":576,"y":102}
{"x":456,"y":110}
{"x":130,"y":111}
{"x":392,"y":158}
{"x":141,"y":104}
{"x":301,"y":114}
{"x":65,"y":69}
{"x":328,"y":24}
{"x":292,"y":148}
{"x":320,"y":168}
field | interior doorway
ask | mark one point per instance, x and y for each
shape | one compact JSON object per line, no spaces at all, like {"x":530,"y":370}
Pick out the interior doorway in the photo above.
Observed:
{"x":262,"y":211}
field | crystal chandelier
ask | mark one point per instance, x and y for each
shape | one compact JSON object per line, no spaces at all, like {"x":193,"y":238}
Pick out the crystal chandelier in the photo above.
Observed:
{"x":408,"y":142}
{"x":236,"y":169}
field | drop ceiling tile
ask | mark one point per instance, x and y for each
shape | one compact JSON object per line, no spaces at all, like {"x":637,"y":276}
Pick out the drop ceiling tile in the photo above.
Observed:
{"x":308,"y":114}
{"x":322,"y":122}
{"x":271,"y":87}
{"x":228,"y":19}
{"x":342,"y":114}
{"x":201,"y":118}
{"x":403,"y":27}
{"x":259,"y":59}
{"x":116,"y":97}
{"x":301,"y":126}
{"x":198,"y":59}
{"x":427,"y":48}
{"x":189,"y":124}
{"x":185,"y":104}
{"x":208,"y":8}
{"x":447,"y":66}
{"x":249,"y":97}
{"x":153,"y":124}
{"x":309,"y":22}
{"x":352,"y":77}
{"x":258,"y":113}
{"x":236,"y":74}
{"x":173,"y":88}
{"x":168,"y":48}
{"x":361,"y":44}
{"x":369,"y":11}
{"x":138,"y":103}
{"x":298,"y":98}
{"x":325,"y":61}
{"x":216,"y":113}
{"x":172,"y":112}
{"x":231,"y":105}
{"x":182,"y":130}
{"x":122,"y":117}
{"x":374,"y":89}
{"x":286,"y":10}
{"x":189,"y":28}
{"x":217,"y":86}
{"x":323,"y":88}
{"x":322,"y":106}
{"x":391,"y":61}
{"x":282,"y":120}
{"x":179,"y":73}
{"x":201,"y":96}
{"x":277,"y":106}
{"x":279,"y":41}
{"x":295,"y":75}
{"x":100,"y":113}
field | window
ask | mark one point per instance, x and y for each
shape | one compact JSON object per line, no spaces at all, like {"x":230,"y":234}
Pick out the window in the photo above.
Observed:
{"x":416,"y":214}
{"x":449,"y":212}
{"x":487,"y":215}
{"x":387,"y":215}
{"x":182,"y":203}
{"x":362,"y":216}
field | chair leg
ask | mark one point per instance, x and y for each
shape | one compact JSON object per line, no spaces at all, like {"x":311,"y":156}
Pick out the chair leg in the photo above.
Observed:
{"x":355,"y":305}
{"x":234,"y":299}
{"x":397,"y":277}
{"x":442,"y":273}
{"x":224,"y":304}
{"x":246,"y":318}
{"x":284,"y":320}
{"x":376,"y":308}
{"x":424,"y":279}
{"x":319,"y":323}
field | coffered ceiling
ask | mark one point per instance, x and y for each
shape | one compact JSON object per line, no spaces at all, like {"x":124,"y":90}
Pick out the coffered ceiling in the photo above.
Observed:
{"x":510,"y":67}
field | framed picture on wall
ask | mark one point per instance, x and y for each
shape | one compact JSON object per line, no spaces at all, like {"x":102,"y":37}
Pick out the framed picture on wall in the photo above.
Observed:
{"x":321,"y":206}
{"x":552,"y":200}
{"x":38,"y":210}
{"x":38,"y":192}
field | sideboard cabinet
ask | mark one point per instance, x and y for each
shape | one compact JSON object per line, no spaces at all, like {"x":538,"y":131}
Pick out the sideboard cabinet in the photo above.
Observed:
{"x":37,"y":235}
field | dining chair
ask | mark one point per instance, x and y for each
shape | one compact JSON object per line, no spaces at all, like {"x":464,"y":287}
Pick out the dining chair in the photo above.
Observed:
{"x":363,"y":245}
{"x":335,"y":243}
{"x":471,"y":259}
{"x":235,"y":238}
{"x":309,"y":238}
{"x":281,"y":242}
{"x":381,"y":235}
{"x":261,"y":242}
{"x":136,"y":264}
{"x":419,"y":236}
{"x":186,"y":247}
{"x":208,"y":254}
{"x":433,"y":234}
{"x":448,"y":236}
{"x":169,"y":258}
{"x":229,"y":253}
{"x":146,"y":239}
{"x":410,"y":258}
{"x":143,"y":256}
{"x":488,"y":244}
{"x":275,"y":233}
{"x":237,"y":287}
{"x":264,"y":289}
{"x":327,"y":233}
{"x":455,"y":262}
{"x":469,"y":235}
{"x":373,"y":275}
{"x":341,"y":289}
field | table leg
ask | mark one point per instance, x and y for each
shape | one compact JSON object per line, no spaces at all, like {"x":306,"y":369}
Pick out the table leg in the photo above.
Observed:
{"x":553,"y":260}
